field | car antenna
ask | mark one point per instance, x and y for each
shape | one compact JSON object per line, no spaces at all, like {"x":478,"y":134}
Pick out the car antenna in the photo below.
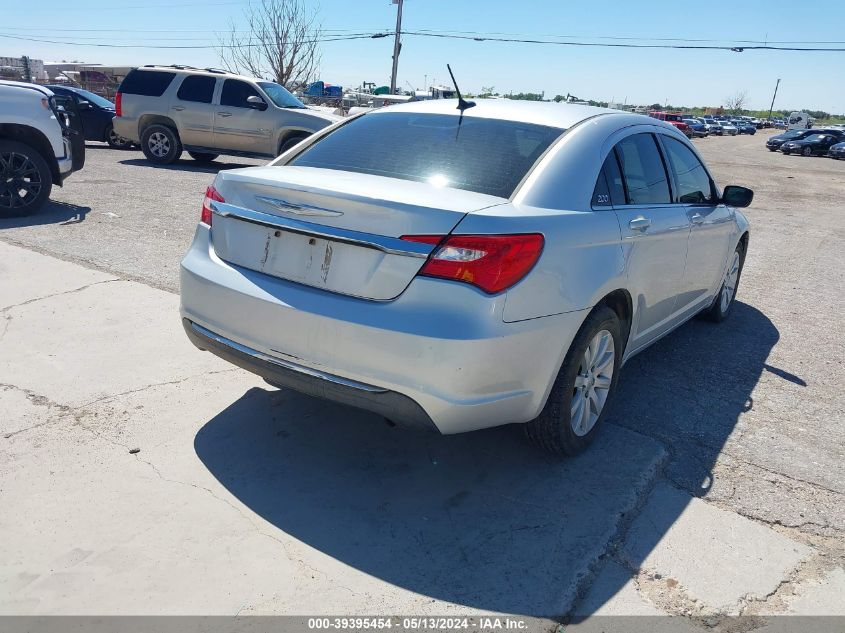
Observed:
{"x":463,"y":104}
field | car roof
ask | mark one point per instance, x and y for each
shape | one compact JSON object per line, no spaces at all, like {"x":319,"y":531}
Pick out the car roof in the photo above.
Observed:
{"x":559,"y":115}
{"x":212,"y":72}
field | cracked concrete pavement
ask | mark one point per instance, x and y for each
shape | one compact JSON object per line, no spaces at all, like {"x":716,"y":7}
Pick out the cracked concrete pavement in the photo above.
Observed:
{"x":715,"y":490}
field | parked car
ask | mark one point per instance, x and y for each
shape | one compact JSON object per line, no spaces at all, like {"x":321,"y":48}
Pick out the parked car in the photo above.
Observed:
{"x":673,"y":119}
{"x":813,"y":145}
{"x":729,"y":128}
{"x":40,"y":146}
{"x":775,"y":142}
{"x":698,"y":129}
{"x":745,"y":127}
{"x":95,"y":112}
{"x":481,"y":278}
{"x":712,"y":126}
{"x":168,"y":109}
{"x":837,"y":151}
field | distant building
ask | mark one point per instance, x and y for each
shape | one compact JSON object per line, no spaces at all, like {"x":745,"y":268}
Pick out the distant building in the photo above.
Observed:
{"x":13,"y":68}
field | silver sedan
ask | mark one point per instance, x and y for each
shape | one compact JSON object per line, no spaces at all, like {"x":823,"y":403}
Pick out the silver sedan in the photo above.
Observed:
{"x":455,"y":269}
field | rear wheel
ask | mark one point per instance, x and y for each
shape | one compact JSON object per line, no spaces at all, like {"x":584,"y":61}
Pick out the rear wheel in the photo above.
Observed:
{"x":25,"y":179}
{"x":202,"y":157}
{"x":160,"y":144}
{"x":585,"y":384}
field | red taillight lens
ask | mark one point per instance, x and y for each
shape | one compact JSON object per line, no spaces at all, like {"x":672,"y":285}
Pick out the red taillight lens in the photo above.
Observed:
{"x":492,"y":262}
{"x":118,"y":100}
{"x":211,"y":194}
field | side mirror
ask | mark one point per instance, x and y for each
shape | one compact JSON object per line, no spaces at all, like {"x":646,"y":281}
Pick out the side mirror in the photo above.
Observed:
{"x":82,"y":104}
{"x":256,"y":102}
{"x":736,"y":196}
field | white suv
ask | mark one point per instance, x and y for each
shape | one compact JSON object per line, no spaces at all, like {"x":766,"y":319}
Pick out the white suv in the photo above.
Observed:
{"x":38,"y":148}
{"x":210,"y":112}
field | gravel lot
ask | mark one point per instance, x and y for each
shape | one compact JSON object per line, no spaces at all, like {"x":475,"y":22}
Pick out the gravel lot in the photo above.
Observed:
{"x":751,"y":414}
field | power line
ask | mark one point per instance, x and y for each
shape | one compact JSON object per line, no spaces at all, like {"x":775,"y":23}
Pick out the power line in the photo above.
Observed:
{"x":197,"y":47}
{"x":738,"y":48}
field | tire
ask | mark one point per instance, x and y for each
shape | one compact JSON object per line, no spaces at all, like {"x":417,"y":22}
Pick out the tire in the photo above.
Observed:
{"x":560,"y":428}
{"x":721,"y":307}
{"x":290,"y":142}
{"x":202,"y":157}
{"x":161,"y":144}
{"x":116,"y":141}
{"x":773,"y":149}
{"x":25,"y":179}
{"x":807,"y":151}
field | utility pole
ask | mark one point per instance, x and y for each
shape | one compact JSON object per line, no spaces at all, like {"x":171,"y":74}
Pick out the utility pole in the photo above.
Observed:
{"x":771,"y":107}
{"x":27,"y":73}
{"x":397,"y":45}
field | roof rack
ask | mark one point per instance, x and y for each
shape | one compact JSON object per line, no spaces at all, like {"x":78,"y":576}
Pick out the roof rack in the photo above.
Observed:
{"x":176,"y":66}
{"x":218,"y":71}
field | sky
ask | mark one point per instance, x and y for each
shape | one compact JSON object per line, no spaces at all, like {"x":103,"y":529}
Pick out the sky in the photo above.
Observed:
{"x":809,"y":80}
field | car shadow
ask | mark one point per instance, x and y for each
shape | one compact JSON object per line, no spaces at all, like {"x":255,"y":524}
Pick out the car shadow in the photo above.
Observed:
{"x":52,"y":212}
{"x":484,"y":520}
{"x":188,"y":164}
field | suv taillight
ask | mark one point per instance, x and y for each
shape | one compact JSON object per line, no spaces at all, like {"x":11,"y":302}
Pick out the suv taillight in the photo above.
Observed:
{"x":211,"y":194}
{"x":491,"y":262}
{"x":118,"y":98}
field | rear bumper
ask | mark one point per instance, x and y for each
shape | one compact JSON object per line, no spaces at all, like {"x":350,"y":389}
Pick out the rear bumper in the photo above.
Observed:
{"x":281,"y":373}
{"x":439,"y":355}
{"x":127,"y":128}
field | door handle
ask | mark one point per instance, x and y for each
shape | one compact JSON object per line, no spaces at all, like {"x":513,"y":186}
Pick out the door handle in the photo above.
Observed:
{"x":697,"y":218}
{"x":639,"y":223}
{"x":224,"y":113}
{"x":178,"y":108}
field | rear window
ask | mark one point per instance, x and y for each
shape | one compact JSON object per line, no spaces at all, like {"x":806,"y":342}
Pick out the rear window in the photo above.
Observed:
{"x":149,"y":83}
{"x":488,"y":156}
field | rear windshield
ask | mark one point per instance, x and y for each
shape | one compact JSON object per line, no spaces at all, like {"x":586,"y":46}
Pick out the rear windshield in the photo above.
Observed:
{"x":483,"y":155}
{"x":149,"y":83}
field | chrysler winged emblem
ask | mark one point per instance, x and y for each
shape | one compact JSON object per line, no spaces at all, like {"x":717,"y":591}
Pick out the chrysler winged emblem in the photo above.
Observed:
{"x":298,"y":209}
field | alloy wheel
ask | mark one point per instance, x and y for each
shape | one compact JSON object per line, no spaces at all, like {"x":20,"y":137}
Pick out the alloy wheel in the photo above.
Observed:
{"x":20,"y":180}
{"x":729,"y":285}
{"x":592,"y":383}
{"x":159,"y":144}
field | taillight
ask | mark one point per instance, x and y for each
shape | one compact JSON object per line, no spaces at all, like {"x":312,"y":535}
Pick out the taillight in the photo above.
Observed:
{"x":211,"y":194}
{"x":492,"y":262}
{"x":118,"y":101}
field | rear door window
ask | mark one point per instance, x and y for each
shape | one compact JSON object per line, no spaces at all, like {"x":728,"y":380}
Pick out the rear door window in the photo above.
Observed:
{"x":148,"y":83}
{"x":691,"y":179}
{"x":236,"y":92}
{"x":197,"y":88}
{"x":488,"y":156}
{"x":642,"y":167}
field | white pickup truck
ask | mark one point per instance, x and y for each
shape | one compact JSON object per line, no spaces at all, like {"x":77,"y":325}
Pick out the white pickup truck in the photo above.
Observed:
{"x":40,"y":146}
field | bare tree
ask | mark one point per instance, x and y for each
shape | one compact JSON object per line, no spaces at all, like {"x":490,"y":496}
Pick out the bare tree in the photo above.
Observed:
{"x":280,"y":41}
{"x":736,"y":102}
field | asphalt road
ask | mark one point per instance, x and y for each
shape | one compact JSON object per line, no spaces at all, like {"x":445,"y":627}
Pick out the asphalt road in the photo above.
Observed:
{"x":751,"y":412}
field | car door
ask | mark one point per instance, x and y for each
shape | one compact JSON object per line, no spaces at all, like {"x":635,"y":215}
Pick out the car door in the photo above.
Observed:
{"x":655,"y":234}
{"x":193,"y":110}
{"x":711,"y":224}
{"x":239,"y":125}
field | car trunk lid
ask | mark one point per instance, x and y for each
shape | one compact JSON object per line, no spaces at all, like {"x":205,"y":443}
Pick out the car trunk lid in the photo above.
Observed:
{"x":334,"y":230}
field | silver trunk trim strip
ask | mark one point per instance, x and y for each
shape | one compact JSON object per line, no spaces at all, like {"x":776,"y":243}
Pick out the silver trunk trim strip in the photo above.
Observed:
{"x":391,"y":245}
{"x":273,"y":360}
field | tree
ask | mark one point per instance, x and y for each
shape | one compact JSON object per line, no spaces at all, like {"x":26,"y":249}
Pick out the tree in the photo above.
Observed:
{"x":736,"y":102}
{"x":280,"y":41}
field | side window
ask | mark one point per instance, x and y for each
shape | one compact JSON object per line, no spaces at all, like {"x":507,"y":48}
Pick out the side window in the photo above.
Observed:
{"x":149,"y":83}
{"x":198,"y":88}
{"x":692,"y":180}
{"x":642,"y":167}
{"x":609,"y":188}
{"x":236,"y":92}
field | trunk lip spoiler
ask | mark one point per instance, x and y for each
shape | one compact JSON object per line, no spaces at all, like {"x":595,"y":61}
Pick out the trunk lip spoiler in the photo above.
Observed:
{"x":389,"y":245}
